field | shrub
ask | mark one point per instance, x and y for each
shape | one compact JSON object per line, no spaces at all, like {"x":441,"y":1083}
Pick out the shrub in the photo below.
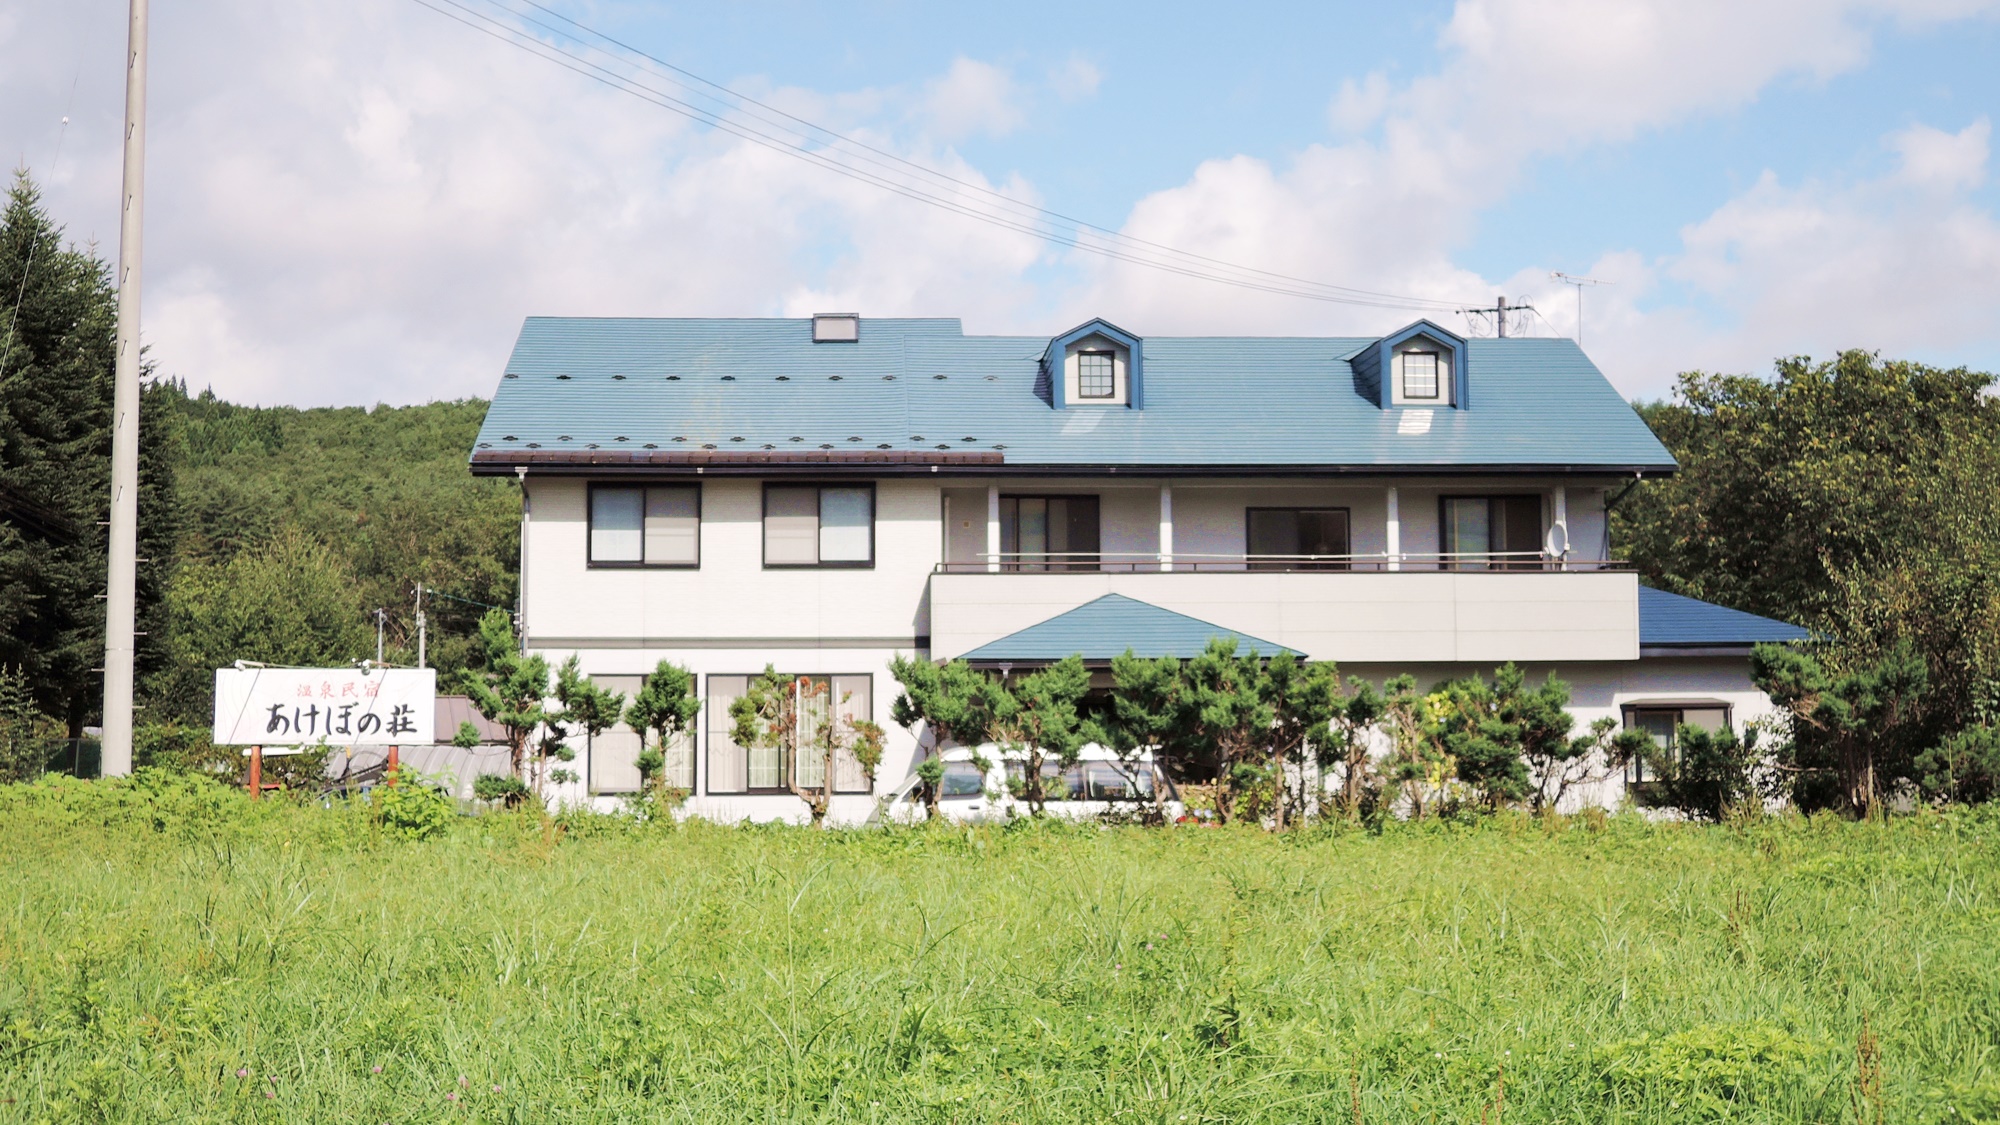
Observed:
{"x":1965,"y":769}
{"x":1707,"y":775}
{"x":1711,"y":1069}
{"x":504,"y":788}
{"x":414,"y":807}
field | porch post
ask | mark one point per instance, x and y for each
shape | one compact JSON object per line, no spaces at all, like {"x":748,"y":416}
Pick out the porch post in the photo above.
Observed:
{"x":1395,"y":542}
{"x":1562,"y":523}
{"x":992,"y":529}
{"x":1166,"y":526}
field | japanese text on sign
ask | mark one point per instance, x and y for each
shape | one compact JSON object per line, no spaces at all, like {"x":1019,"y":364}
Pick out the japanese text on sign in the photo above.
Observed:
{"x":336,"y":706}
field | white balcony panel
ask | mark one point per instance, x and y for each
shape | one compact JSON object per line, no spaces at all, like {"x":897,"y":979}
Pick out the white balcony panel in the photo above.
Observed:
{"x":1371,"y":617}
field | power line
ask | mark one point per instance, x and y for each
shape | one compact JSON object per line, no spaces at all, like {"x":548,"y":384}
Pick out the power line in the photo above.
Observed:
{"x":793,"y":141}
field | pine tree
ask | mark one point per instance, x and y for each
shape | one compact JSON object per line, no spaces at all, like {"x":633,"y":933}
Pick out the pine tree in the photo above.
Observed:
{"x":58,"y":329}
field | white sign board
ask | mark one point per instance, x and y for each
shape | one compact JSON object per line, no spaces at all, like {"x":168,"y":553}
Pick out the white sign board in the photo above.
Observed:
{"x":334,"y":706}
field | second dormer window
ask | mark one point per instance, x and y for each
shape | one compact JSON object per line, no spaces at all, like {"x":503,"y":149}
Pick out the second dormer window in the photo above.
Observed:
{"x":1095,"y":377}
{"x":1420,"y":375}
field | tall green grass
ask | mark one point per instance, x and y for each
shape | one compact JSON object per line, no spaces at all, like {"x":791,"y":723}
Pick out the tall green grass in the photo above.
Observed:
{"x":174,"y":953}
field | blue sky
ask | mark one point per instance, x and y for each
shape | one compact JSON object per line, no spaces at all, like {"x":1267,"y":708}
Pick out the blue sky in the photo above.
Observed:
{"x":357,"y":201}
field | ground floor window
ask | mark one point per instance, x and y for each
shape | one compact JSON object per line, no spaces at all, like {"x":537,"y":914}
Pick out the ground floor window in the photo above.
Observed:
{"x":764,"y":769}
{"x":1663,"y":722}
{"x":613,"y":756}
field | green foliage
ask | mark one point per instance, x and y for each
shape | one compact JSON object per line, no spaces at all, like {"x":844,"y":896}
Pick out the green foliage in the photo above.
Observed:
{"x":1853,"y":735}
{"x":796,"y":716}
{"x":954,"y":701}
{"x":467,"y":735}
{"x":1040,"y":714}
{"x":56,"y":374}
{"x":1964,"y":769}
{"x":385,"y":490}
{"x":509,"y":688}
{"x":415,"y":808}
{"x":26,"y":734}
{"x":1712,"y":1071}
{"x":665,"y":706}
{"x":1855,"y":497}
{"x":1617,"y":970}
{"x":290,"y":601}
{"x":185,"y":748}
{"x":509,"y":791}
{"x":1707,"y":775}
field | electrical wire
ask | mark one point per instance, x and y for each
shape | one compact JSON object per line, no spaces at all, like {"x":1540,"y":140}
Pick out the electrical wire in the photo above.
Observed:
{"x":794,"y":141}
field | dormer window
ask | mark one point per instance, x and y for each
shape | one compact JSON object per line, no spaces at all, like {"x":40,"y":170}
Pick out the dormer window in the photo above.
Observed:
{"x":1096,"y":375}
{"x":1094,"y":372}
{"x":1420,"y":375}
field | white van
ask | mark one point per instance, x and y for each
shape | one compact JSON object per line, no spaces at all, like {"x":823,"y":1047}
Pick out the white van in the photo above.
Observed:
{"x":1101,"y":783}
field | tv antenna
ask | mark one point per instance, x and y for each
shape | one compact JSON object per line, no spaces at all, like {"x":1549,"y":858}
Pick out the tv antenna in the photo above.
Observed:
{"x":1579,"y":282}
{"x":1498,"y":311}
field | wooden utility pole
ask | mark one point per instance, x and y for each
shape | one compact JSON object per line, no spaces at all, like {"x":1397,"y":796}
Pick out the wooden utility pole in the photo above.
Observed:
{"x":121,"y":581}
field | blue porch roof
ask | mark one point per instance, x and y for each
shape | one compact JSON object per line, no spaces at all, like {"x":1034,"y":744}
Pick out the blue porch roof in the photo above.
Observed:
{"x":1110,"y":626}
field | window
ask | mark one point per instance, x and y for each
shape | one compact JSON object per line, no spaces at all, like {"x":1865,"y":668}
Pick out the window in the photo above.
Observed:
{"x":961,"y":779}
{"x":1663,"y":723}
{"x":1492,"y":532}
{"x":836,"y":328}
{"x":1286,"y":535}
{"x":1094,"y":377}
{"x":1048,"y":532}
{"x":819,"y":525}
{"x":1090,"y":781}
{"x":658,"y":525}
{"x":735,"y":769}
{"x":614,"y":754}
{"x":1420,"y":374}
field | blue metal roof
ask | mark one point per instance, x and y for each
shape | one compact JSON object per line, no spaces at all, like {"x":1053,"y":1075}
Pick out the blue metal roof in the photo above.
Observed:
{"x":615,"y":391}
{"x":1108,"y":627}
{"x":1674,"y":621}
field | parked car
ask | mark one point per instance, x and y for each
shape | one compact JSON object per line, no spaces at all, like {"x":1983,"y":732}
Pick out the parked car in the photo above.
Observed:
{"x":1100,"y":783}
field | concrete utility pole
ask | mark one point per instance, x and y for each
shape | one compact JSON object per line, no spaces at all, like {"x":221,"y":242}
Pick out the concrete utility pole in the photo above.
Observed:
{"x":121,"y":583}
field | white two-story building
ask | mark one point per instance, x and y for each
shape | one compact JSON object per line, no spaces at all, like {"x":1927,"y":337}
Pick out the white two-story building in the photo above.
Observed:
{"x":822,"y":494}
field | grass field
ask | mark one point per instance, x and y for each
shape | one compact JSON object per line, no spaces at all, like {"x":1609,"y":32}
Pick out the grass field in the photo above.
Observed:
{"x":175,"y":953}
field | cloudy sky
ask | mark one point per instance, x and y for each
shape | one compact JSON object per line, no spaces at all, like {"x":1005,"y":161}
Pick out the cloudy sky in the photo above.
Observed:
{"x":353,"y":201}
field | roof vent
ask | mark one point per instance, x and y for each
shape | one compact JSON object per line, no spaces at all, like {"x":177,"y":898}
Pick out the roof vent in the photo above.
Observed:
{"x":836,"y":328}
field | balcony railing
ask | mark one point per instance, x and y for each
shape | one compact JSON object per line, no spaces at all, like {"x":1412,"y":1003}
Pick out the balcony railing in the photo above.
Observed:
{"x":1135,"y":562}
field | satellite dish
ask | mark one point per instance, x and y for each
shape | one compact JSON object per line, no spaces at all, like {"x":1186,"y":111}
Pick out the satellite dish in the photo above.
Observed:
{"x":1558,"y":540}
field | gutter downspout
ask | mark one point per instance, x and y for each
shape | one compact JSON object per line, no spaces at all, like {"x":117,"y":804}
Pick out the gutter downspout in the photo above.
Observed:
{"x":1637,"y":478}
{"x":521,"y":568}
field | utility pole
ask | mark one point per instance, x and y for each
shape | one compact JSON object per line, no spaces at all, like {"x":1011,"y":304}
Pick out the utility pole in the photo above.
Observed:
{"x":121,"y":581}
{"x":1579,"y":282}
{"x":420,"y":626}
{"x":381,"y":616}
{"x":1498,"y":312}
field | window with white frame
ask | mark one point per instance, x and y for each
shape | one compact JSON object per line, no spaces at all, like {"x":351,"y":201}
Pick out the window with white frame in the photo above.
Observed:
{"x":1420,"y":375}
{"x":653,"y":525}
{"x":765,"y":769}
{"x":1096,"y":375}
{"x":819,"y":525}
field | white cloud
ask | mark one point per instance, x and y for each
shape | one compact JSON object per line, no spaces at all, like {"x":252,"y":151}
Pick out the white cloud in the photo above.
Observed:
{"x":972,"y":98}
{"x":1076,"y":79}
{"x":1776,"y":271}
{"x":1934,"y":158}
{"x":361,"y":200}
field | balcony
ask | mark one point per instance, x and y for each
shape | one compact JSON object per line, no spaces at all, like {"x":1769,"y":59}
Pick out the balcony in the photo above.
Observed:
{"x":1402,"y":610}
